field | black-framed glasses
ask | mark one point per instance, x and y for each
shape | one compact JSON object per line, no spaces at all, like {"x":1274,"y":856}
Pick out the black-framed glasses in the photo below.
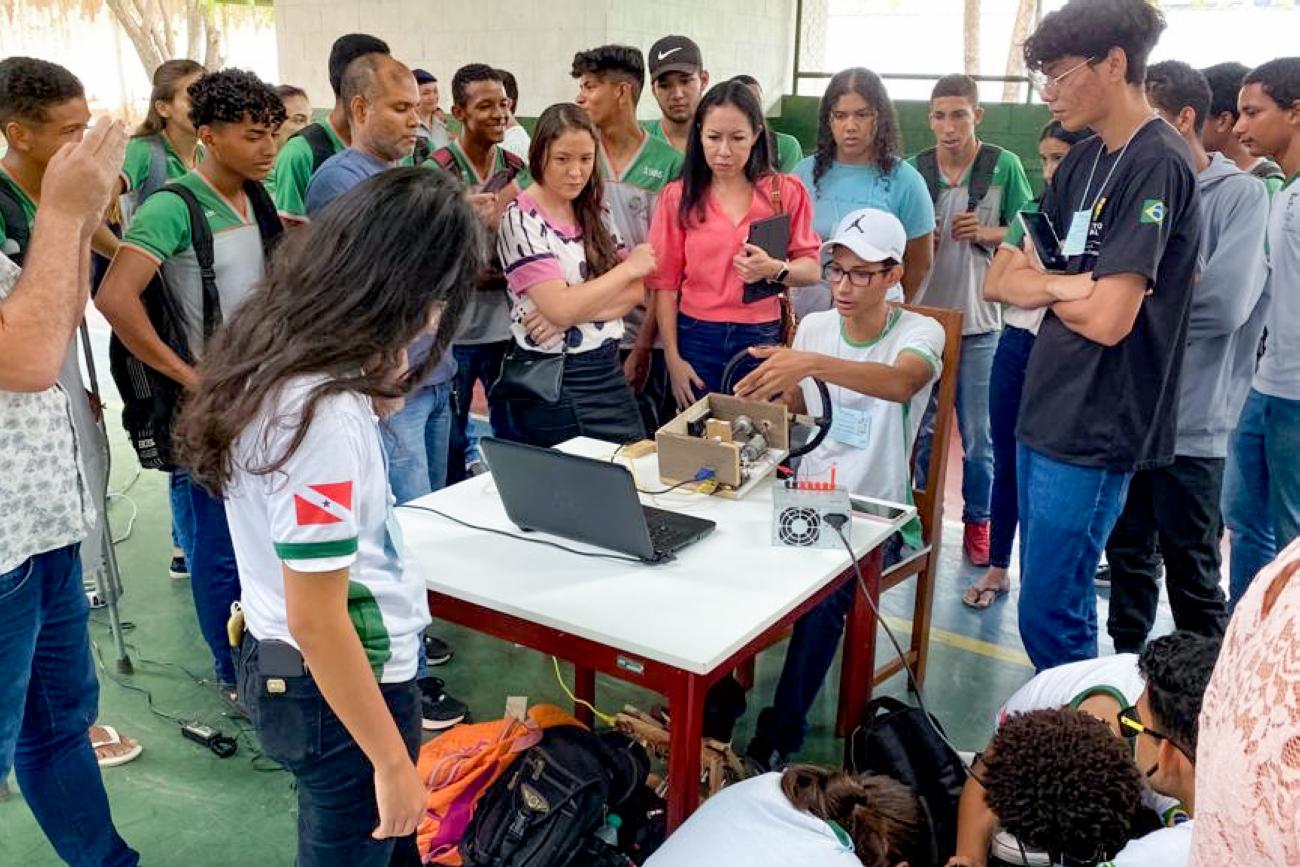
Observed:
{"x":1131,"y":725}
{"x":858,"y":277}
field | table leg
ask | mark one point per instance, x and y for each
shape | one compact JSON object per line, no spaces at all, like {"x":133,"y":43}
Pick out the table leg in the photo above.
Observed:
{"x":857,"y":673}
{"x":584,"y":687}
{"x":686,"y":704}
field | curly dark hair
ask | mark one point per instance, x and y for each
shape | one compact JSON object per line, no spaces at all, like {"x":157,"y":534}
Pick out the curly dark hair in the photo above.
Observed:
{"x":885,"y":145}
{"x":1060,"y":781}
{"x":879,"y":813}
{"x":1225,"y":84}
{"x":1091,"y":28}
{"x":1177,"y":669}
{"x":624,"y":61}
{"x":1279,"y":78}
{"x":29,"y":86}
{"x":402,"y":245}
{"x":1173,"y":85}
{"x":233,"y":96}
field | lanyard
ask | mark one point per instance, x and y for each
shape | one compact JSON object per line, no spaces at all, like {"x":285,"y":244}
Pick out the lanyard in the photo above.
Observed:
{"x":1097,"y":159}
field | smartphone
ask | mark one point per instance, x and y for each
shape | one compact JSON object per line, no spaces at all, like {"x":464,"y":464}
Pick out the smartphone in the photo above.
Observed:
{"x":1044,"y":243}
{"x":279,"y":659}
{"x":497,"y":182}
{"x":875,"y":508}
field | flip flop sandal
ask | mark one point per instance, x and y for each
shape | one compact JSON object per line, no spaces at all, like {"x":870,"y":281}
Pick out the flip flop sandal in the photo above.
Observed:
{"x":112,"y":737}
{"x":985,"y":596}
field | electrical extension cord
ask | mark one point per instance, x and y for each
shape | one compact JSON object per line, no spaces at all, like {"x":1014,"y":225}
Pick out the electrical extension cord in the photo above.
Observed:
{"x":222,"y":746}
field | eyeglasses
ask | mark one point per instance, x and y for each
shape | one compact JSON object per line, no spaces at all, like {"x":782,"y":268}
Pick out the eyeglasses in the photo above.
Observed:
{"x":860,"y":278}
{"x":1042,"y":83}
{"x":1130,"y":723}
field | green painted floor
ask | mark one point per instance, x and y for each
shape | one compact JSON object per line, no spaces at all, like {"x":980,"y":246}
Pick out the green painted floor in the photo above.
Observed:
{"x":178,"y":804}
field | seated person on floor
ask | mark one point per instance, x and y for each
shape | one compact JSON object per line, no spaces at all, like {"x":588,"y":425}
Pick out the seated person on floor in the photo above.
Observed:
{"x":879,"y":362}
{"x":1153,"y":701}
{"x":806,"y":815}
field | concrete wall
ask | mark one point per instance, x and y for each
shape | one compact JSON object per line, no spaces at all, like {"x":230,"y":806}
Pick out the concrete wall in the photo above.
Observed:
{"x":536,"y":39}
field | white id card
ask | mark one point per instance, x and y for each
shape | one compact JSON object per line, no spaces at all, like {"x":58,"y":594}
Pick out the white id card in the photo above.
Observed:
{"x":1076,"y":240}
{"x":851,"y":427}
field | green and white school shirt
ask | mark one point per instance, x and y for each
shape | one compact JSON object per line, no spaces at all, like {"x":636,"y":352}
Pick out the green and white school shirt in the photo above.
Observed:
{"x":161,"y":231}
{"x":329,"y":507}
{"x":293,"y":169}
{"x":870,"y":443}
{"x":630,"y":197}
{"x":29,"y":211}
{"x":135,"y":171}
{"x":956,"y":280}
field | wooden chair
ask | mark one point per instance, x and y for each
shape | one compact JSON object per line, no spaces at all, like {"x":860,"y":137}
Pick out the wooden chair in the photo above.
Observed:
{"x":929,"y":506}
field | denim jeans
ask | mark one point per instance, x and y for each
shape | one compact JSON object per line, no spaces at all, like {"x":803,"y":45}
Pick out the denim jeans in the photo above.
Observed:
{"x":416,"y":440}
{"x":477,"y":362}
{"x":977,"y":352}
{"x":1171,"y":514}
{"x":214,"y":575}
{"x":808,"y":657}
{"x":1006,"y":382}
{"x":1261,"y":485}
{"x":708,"y":346}
{"x":182,"y":515}
{"x":1066,"y":515}
{"x":48,"y":699}
{"x":335,"y":781}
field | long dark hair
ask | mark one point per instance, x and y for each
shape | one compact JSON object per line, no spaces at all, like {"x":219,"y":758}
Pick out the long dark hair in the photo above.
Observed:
{"x":880,"y":814}
{"x":885,"y":145}
{"x":588,"y":207}
{"x":166,"y":81}
{"x":696,"y":174}
{"x":344,"y":297}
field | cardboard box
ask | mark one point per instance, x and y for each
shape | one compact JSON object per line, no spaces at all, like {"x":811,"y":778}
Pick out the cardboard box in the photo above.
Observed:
{"x":682,"y":456}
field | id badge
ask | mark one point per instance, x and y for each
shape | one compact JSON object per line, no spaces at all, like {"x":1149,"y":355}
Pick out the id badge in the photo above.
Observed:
{"x":1076,"y":240}
{"x":852,"y":427}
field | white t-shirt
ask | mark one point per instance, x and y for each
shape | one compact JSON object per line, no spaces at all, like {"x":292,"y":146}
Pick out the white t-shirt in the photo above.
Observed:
{"x":327,"y":508}
{"x":1071,"y":684}
{"x":1167,"y":847}
{"x":871,"y":439}
{"x":517,"y":141}
{"x":535,"y":250}
{"x":753,"y":824}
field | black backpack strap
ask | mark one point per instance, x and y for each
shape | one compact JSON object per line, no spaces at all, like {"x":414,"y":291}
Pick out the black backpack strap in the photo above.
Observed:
{"x":201,"y":241}
{"x":927,"y":163}
{"x":322,"y":146}
{"x":264,"y":211}
{"x":981,"y":174}
{"x":445,"y":159}
{"x":157,"y":177}
{"x":15,"y":220}
{"x":422,"y":151}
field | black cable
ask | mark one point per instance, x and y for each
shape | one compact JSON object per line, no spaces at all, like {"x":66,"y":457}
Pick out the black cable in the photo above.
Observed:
{"x":669,"y":490}
{"x":548,"y":543}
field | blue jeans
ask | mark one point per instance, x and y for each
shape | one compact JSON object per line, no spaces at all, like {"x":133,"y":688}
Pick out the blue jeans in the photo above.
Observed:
{"x":816,"y":637}
{"x":182,"y":515}
{"x":478,"y":362}
{"x":335,"y":781}
{"x":708,"y":346}
{"x":48,"y":699}
{"x":977,"y":352}
{"x":1261,"y":485}
{"x":214,"y":576}
{"x":1066,"y":515}
{"x":1005,"y":385}
{"x":416,"y":440}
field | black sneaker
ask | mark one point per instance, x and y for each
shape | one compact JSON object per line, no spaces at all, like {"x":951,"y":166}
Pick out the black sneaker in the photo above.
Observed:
{"x":438,"y":709}
{"x":437,"y":651}
{"x":178,"y":569}
{"x":1102,"y":577}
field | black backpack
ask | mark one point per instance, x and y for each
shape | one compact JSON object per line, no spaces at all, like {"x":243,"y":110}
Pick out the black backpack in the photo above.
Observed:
{"x":157,"y":177}
{"x":545,"y":810}
{"x":981,"y":173}
{"x":898,"y":741}
{"x":15,"y":223}
{"x":322,"y":146}
{"x":150,"y":399}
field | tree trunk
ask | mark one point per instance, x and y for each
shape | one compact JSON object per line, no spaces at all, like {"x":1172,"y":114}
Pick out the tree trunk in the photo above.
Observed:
{"x":145,"y":48}
{"x":1016,"y":55}
{"x":212,"y":58}
{"x":193,"y":30}
{"x":971,"y":37}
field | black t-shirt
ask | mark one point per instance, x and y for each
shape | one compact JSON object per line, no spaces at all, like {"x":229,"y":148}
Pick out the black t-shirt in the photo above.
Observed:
{"x":1114,"y":406}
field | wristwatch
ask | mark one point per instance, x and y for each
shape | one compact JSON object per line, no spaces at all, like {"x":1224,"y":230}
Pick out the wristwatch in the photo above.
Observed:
{"x":782,"y":274}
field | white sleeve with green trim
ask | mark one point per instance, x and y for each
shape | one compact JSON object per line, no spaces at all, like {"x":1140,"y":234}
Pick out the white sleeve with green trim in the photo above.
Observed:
{"x":310,"y":501}
{"x":925,"y":338}
{"x":160,"y":227}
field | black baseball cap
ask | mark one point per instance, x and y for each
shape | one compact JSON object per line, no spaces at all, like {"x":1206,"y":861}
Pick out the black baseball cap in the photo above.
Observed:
{"x":674,"y":54}
{"x":423,"y":76}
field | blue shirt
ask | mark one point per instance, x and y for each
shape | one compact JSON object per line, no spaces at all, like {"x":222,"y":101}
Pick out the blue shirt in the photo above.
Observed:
{"x":845,"y":189}
{"x":336,"y":176}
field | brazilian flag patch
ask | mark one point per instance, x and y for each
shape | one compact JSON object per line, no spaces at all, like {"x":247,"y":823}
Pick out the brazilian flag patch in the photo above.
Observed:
{"x":1153,"y":211}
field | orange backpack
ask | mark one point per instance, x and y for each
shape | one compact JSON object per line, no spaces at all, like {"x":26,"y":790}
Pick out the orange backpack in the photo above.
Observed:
{"x":458,"y":767}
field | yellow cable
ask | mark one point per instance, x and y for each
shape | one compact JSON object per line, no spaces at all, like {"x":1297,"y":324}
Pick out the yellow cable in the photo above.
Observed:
{"x":603,"y":717}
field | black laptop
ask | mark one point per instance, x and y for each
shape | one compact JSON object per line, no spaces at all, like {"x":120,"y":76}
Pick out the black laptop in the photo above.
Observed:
{"x":586,"y":500}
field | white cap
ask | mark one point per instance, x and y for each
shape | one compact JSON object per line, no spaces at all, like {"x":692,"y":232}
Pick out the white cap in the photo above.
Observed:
{"x":872,"y":234}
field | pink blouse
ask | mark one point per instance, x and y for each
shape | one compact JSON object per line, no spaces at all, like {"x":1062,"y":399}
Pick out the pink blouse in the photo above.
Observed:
{"x":1248,"y":744}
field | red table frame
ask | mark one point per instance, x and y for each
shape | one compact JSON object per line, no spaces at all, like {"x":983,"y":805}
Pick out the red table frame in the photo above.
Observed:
{"x":684,"y":689}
